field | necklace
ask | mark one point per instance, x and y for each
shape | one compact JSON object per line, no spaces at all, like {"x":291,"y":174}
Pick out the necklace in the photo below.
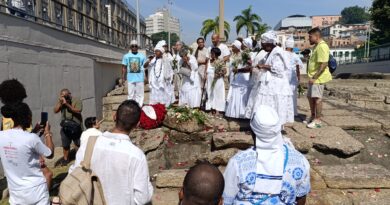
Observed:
{"x":154,"y":69}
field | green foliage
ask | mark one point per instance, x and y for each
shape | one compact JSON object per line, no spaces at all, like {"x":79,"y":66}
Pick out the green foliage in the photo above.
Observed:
{"x":164,"y":36}
{"x":185,"y":114}
{"x":250,"y":21}
{"x":380,"y":16}
{"x":354,"y":15}
{"x":212,"y":26}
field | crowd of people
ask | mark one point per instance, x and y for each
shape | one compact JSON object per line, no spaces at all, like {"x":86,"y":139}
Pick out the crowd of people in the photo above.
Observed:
{"x":261,"y":81}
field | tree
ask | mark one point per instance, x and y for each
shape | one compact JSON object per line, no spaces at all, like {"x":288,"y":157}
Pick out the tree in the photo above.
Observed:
{"x":164,"y":36}
{"x":250,"y":21}
{"x":354,"y":15}
{"x":262,"y":29}
{"x":212,"y":26}
{"x":380,"y":16}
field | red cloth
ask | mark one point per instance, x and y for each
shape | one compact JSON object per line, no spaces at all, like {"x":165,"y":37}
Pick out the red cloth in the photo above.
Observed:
{"x":147,"y":123}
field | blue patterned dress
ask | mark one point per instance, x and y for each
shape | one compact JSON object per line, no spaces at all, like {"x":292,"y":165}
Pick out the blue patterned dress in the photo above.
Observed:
{"x":240,"y":179}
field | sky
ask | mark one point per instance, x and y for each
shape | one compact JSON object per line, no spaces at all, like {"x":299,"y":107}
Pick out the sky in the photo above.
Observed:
{"x":193,"y":12}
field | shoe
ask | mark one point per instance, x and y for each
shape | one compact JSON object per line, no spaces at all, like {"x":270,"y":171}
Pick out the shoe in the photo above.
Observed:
{"x":308,"y":120}
{"x":63,"y":162}
{"x":314,"y":125}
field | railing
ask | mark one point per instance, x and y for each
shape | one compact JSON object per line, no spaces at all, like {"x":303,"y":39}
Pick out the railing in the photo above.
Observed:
{"x":375,"y":58}
{"x":89,"y":20}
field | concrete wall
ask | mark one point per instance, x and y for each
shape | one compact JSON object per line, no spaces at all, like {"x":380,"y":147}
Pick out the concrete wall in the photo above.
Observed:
{"x":46,"y":60}
{"x":379,"y":66}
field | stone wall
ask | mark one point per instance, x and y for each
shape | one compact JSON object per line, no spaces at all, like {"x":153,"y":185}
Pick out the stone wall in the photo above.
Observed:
{"x":46,"y":60}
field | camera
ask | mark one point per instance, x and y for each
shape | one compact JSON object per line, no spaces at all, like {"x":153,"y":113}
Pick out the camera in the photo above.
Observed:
{"x":68,"y":99}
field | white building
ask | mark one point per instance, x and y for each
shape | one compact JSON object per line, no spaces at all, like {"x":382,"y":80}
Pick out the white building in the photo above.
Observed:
{"x":343,"y":55}
{"x":339,"y":30}
{"x":162,"y":21}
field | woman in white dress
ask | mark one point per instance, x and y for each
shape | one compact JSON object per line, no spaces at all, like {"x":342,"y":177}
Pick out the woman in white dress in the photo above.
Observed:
{"x":215,"y":83}
{"x":190,"y":93}
{"x":160,"y":77}
{"x":239,"y":89}
{"x":274,"y":89}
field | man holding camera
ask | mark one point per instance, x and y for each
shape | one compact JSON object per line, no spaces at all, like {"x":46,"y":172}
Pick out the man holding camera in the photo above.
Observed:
{"x":71,"y":119}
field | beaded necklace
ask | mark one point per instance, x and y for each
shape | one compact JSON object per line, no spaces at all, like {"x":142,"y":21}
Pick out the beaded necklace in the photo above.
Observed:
{"x":154,"y":69}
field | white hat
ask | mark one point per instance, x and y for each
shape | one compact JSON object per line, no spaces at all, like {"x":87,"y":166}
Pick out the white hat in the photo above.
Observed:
{"x":134,"y":42}
{"x":237,"y":44}
{"x":269,"y":37}
{"x":160,"y":45}
{"x":289,"y":42}
{"x":248,"y":42}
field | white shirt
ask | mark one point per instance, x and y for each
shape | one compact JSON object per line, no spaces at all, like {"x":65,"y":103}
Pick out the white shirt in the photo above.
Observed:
{"x":122,"y":169}
{"x":89,"y":132}
{"x":192,"y":81}
{"x":20,"y":152}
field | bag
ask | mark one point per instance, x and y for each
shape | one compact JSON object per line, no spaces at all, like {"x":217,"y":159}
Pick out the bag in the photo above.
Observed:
{"x":71,"y":128}
{"x":82,"y":186}
{"x":332,"y":64}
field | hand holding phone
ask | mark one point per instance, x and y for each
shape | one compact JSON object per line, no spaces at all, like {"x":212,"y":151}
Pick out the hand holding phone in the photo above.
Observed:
{"x":44,"y":118}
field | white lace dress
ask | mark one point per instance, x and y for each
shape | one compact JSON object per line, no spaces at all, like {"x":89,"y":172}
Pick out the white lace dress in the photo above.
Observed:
{"x":160,"y":82}
{"x":190,"y":93}
{"x":274,"y":88}
{"x":216,"y":96}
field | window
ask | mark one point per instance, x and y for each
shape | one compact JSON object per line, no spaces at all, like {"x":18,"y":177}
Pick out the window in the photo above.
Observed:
{"x":346,"y":54}
{"x":340,"y":54}
{"x":334,"y":54}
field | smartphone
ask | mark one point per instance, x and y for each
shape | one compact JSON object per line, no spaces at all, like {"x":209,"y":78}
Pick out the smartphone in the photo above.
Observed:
{"x":44,"y":118}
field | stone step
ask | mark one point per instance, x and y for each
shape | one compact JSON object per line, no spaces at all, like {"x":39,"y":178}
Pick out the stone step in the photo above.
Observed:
{"x":351,"y":122}
{"x":171,"y":178}
{"x":300,"y":142}
{"x":148,"y":140}
{"x":165,"y":196}
{"x":232,"y":139}
{"x":354,"y":176}
{"x":330,"y":138}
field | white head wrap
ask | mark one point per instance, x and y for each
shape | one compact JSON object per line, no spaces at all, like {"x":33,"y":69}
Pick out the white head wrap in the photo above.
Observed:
{"x":289,"y":42}
{"x":248,"y":42}
{"x":160,"y":45}
{"x":134,"y":42}
{"x":269,"y":37}
{"x":269,"y":147}
{"x":237,"y":44}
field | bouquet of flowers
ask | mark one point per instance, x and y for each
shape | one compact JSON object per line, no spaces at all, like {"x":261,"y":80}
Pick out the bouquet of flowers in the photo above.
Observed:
{"x":185,"y":114}
{"x":174,"y":64}
{"x":246,"y":57}
{"x":219,"y":71}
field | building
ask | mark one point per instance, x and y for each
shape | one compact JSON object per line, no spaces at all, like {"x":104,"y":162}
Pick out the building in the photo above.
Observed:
{"x":162,"y":21}
{"x":298,"y":26}
{"x":343,"y":55}
{"x":342,"y":35}
{"x":324,"y":20}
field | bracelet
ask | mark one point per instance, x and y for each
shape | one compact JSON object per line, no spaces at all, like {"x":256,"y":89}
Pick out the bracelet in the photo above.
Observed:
{"x":49,"y":134}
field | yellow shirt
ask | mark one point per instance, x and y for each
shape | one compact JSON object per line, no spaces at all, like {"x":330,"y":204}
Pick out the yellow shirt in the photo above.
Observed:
{"x":8,"y":124}
{"x":320,"y":55}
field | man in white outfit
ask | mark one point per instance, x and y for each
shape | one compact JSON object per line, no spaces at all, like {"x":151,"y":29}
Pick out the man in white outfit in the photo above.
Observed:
{"x":133,"y":71}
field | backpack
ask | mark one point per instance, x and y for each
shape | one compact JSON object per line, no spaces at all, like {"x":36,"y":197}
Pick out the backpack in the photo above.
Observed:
{"x":332,"y":64}
{"x":82,"y":186}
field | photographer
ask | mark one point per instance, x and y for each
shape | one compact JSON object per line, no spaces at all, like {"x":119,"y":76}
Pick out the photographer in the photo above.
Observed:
{"x":71,"y":119}
{"x":21,"y":153}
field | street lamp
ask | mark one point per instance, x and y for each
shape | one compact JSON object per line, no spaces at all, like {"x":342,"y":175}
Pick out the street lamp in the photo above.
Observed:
{"x":221,"y":20}
{"x":170,"y":2}
{"x":138,"y":26}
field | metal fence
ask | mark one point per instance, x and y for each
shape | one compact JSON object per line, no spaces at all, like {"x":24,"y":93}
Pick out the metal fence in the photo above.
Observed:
{"x":87,"y":18}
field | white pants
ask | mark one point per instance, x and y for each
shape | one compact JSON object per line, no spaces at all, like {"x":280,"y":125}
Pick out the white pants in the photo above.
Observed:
{"x":38,"y":195}
{"x":136,"y":92}
{"x":295,"y":100}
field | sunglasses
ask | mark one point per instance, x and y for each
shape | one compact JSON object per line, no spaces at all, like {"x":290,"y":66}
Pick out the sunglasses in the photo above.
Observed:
{"x":133,"y":46}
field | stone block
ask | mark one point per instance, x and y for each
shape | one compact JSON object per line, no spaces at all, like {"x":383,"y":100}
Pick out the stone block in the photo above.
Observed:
{"x":369,"y":196}
{"x":367,"y":97}
{"x":232,"y":139}
{"x":387,"y":101}
{"x":148,"y":140}
{"x":184,"y":155}
{"x":107,"y":126}
{"x":331,"y":138}
{"x":300,"y":142}
{"x":166,"y":196}
{"x":328,"y":197}
{"x":355,"y":176}
{"x":221,"y":157}
{"x":108,"y":116}
{"x":156,"y":161}
{"x":351,"y":122}
{"x":114,"y":99}
{"x":190,"y":126}
{"x":171,"y":178}
{"x":316,"y":181}
{"x":357,"y":103}
{"x":241,"y":125}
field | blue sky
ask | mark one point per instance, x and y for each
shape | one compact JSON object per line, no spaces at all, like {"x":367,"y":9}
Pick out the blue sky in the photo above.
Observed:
{"x":193,"y":12}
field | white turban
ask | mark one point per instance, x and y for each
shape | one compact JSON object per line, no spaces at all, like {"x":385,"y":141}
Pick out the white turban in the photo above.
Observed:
{"x":160,"y":46}
{"x":289,"y":42}
{"x":269,"y":37}
{"x":269,"y":147}
{"x":248,"y":42}
{"x":237,"y":44}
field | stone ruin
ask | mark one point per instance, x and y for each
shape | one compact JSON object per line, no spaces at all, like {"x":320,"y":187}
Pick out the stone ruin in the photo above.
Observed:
{"x":174,"y":147}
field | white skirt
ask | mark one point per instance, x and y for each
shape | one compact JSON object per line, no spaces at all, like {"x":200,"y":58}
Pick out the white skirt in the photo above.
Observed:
{"x":237,"y":101}
{"x":162,"y":96}
{"x":216,"y":97}
{"x":190,"y":97}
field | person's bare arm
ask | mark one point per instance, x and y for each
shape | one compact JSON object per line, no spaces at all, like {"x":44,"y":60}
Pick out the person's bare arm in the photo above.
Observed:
{"x":57,"y":107}
{"x":301,"y":200}
{"x":124,"y":71}
{"x":72,"y":109}
{"x":319,"y":72}
{"x":226,"y":58}
{"x":298,"y":73}
{"x":49,"y":140}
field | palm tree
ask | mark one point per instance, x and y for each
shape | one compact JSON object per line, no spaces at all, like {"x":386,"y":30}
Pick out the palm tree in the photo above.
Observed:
{"x":262,"y":29}
{"x":249,"y":20}
{"x":212,"y":26}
